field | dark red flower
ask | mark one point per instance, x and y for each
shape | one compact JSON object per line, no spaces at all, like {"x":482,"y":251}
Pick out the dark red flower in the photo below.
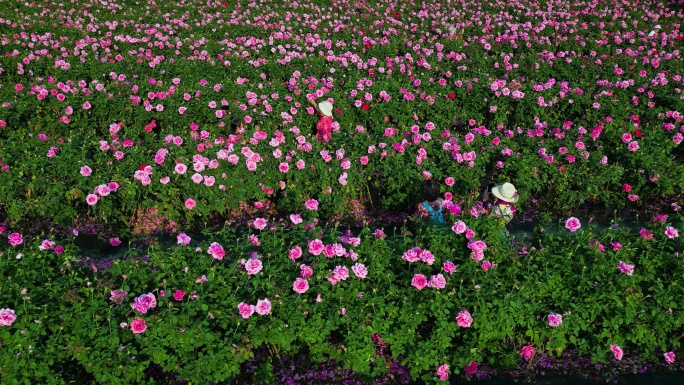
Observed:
{"x":452,"y":96}
{"x":142,"y":166}
{"x":338,"y":111}
{"x":472,"y":368}
{"x":638,"y":133}
{"x":365,"y":107}
{"x":367,"y":46}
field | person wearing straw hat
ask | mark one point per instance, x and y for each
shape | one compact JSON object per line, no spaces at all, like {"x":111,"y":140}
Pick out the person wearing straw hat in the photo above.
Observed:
{"x":503,"y":209}
{"x":655,"y":31}
{"x":324,"y":125}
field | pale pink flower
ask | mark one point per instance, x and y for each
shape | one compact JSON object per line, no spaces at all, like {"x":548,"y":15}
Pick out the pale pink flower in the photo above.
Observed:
{"x":92,"y":199}
{"x":295,"y":253}
{"x":437,"y":282}
{"x":311,"y":204}
{"x":459,"y":227}
{"x":86,"y":171}
{"x":626,"y":268}
{"x":259,"y":223}
{"x":144,"y":302}
{"x":183,"y":239}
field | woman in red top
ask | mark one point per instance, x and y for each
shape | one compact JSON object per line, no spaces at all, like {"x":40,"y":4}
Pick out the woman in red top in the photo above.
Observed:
{"x":324,"y":125}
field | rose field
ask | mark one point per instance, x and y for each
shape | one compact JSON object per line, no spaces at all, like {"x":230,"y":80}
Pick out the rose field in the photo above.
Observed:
{"x":145,"y":241}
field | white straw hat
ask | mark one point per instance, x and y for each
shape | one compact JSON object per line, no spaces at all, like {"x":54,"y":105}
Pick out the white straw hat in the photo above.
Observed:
{"x":657,"y":27}
{"x":506,"y":192}
{"x":326,"y":108}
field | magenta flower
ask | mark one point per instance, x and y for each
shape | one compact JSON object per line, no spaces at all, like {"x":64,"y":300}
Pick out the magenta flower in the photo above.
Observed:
{"x":527,"y":352}
{"x":419,"y":281}
{"x":645,"y":234}
{"x":573,"y":224}
{"x":443,"y":372}
{"x":626,"y":268}
{"x":15,"y":239}
{"x":617,"y":351}
{"x":669,"y":357}
{"x":555,"y":320}
{"x":671,"y":232}
{"x":7,"y":317}
{"x":118,"y":296}
{"x":259,"y":223}
{"x":311,"y":204}
{"x":178,"y":295}
{"x":306,"y":271}
{"x":115,"y":241}
{"x":86,"y":171}
{"x":144,"y":302}
{"x":216,"y":251}
{"x":300,"y":285}
{"x":138,"y":326}
{"x":471,"y":368}
{"x":295,"y":253}
{"x":183,"y":239}
{"x":449,"y":267}
{"x":263,"y":307}
{"x":437,"y":282}
{"x":246,"y":310}
{"x":92,"y":199}
{"x":316,"y":247}
{"x":464,"y":319}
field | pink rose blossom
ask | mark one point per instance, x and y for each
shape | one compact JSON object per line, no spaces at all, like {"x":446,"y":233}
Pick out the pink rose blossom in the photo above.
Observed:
{"x":419,"y":281}
{"x":7,"y":317}
{"x":178,"y":295}
{"x":671,"y":232}
{"x":300,"y":285}
{"x":263,"y":307}
{"x":617,"y":351}
{"x":306,"y":271}
{"x":459,"y":227}
{"x":183,"y":239}
{"x":138,"y":326}
{"x":92,"y":199}
{"x":449,"y":267}
{"x":144,"y":302}
{"x":669,"y":357}
{"x":360,"y":270}
{"x":572,"y":224}
{"x":216,"y":251}
{"x":626,"y":268}
{"x":464,"y":319}
{"x":527,"y":352}
{"x":437,"y":282}
{"x":253,"y":266}
{"x":246,"y":310}
{"x":295,"y":253}
{"x":443,"y":372}
{"x":555,"y":320}
{"x":15,"y":239}
{"x":190,"y":203}
{"x":86,"y":171}
{"x":316,"y":247}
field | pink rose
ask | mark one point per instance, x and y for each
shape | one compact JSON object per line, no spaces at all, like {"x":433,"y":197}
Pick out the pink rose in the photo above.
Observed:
{"x":617,"y":351}
{"x":263,"y":307}
{"x":459,"y":227}
{"x":669,"y":357}
{"x":246,"y":310}
{"x":463,"y":319}
{"x":360,"y":270}
{"x":555,"y":320}
{"x":216,"y":251}
{"x":316,"y":247}
{"x":670,"y":231}
{"x":259,"y":223}
{"x":419,"y":281}
{"x":626,"y":268}
{"x":311,"y":204}
{"x":527,"y":352}
{"x":306,"y":271}
{"x":7,"y":317}
{"x":572,"y":224}
{"x":253,"y":266}
{"x":144,"y":302}
{"x":443,"y":372}
{"x":138,"y":326}
{"x":190,"y":204}
{"x":15,"y":239}
{"x":178,"y":295}
{"x":471,"y":368}
{"x":300,"y":285}
{"x":295,"y":253}
{"x":183,"y":239}
{"x":449,"y":181}
{"x":437,"y":282}
{"x":114,"y":241}
{"x":449,"y":267}
{"x":86,"y":171}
